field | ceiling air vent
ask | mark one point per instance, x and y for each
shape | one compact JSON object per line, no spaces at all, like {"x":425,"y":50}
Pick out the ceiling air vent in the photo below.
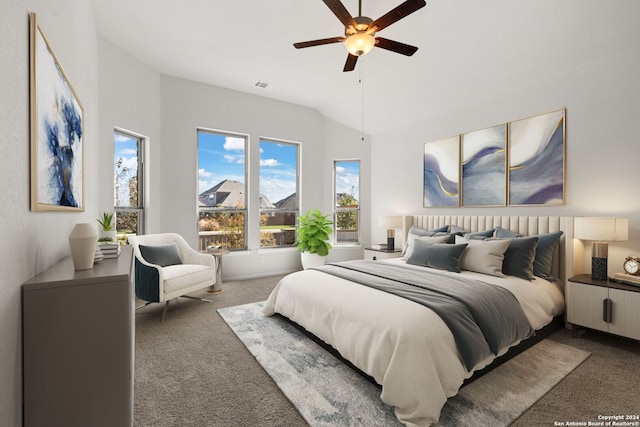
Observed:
{"x":263,"y":85}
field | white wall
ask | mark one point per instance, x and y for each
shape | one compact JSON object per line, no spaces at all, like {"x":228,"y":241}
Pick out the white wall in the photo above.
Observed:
{"x":187,"y":105}
{"x":130,"y":99}
{"x":586,"y":58}
{"x":33,"y":241}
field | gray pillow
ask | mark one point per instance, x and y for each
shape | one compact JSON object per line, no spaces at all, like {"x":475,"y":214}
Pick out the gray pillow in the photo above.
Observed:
{"x":415,"y":232}
{"x":547,"y":244}
{"x":504,"y":233}
{"x":518,"y":259}
{"x":162,"y":255}
{"x":483,"y":256}
{"x":479,"y":234}
{"x":442,"y":256}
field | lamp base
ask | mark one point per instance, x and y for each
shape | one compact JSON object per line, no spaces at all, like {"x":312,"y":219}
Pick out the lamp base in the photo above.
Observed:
{"x":599,"y":268}
{"x":391,"y":245}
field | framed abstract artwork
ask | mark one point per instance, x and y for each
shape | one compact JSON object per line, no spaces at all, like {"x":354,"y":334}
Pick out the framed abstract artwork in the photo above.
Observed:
{"x":57,"y":131}
{"x":442,"y":173}
{"x":484,"y":167}
{"x":536,"y":160}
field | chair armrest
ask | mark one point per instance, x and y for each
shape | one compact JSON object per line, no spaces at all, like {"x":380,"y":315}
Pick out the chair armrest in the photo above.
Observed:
{"x":194,"y":257}
{"x":149,"y":282}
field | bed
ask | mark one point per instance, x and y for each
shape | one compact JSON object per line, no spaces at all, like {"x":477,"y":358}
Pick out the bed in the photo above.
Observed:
{"x":410,"y":347}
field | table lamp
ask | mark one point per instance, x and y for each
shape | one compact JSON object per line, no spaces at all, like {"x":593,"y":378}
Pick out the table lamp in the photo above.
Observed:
{"x":390,"y":222}
{"x":600,"y":231}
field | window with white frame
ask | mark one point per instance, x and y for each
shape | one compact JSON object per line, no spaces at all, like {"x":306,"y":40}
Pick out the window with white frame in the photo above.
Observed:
{"x":279,"y":179}
{"x":347,"y":202}
{"x":222,"y":189}
{"x":128,"y":183}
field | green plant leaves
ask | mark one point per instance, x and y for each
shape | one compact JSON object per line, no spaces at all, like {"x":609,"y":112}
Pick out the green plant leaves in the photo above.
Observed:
{"x":313,"y":233}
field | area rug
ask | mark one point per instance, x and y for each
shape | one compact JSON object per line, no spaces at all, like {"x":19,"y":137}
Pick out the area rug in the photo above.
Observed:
{"x":329,"y":393}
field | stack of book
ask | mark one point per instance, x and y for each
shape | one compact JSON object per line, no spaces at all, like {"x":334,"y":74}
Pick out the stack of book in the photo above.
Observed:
{"x":379,"y":246}
{"x":109,"y":250}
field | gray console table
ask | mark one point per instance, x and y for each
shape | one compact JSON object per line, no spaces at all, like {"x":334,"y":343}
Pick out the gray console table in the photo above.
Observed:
{"x":77,"y":345}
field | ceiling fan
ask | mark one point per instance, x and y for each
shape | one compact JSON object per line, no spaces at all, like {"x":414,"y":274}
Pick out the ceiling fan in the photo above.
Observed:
{"x":359,"y":31}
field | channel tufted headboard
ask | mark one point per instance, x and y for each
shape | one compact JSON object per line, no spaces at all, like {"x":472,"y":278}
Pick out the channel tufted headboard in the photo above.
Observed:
{"x":565,"y":263}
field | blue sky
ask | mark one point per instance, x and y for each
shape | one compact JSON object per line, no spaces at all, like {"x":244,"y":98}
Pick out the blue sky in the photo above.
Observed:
{"x":347,"y":178}
{"x":125,"y":148}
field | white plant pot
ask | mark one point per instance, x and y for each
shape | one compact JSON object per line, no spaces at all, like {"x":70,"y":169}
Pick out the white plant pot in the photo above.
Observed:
{"x":113,"y":235}
{"x":311,"y":260}
{"x":83,"y":241}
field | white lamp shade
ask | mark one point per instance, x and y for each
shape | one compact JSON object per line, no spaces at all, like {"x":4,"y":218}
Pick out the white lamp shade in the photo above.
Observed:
{"x":601,"y":229}
{"x":359,"y":43}
{"x":390,"y":221}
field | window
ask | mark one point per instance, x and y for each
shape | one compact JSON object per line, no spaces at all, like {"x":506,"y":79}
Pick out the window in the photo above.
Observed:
{"x":278,"y":193}
{"x":222,"y":190}
{"x":347,"y":206}
{"x":128,"y":183}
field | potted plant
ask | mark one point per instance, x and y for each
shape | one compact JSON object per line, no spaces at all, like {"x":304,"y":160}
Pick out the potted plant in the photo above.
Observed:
{"x":314,"y":230}
{"x":107,"y":232}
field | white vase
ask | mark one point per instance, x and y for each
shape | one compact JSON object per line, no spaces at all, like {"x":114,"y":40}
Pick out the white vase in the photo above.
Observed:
{"x":311,"y":260}
{"x":83,"y":240}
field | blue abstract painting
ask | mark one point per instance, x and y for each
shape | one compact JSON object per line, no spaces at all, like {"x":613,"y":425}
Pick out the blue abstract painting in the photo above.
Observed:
{"x":536,"y":160}
{"x":57,"y":132}
{"x":442,"y":172}
{"x":484,"y":167}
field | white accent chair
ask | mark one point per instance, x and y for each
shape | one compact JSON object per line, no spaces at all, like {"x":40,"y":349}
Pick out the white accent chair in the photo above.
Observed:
{"x":171,"y":269}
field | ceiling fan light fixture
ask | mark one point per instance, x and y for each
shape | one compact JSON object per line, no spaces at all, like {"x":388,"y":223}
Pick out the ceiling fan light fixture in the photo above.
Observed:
{"x":360,"y":43}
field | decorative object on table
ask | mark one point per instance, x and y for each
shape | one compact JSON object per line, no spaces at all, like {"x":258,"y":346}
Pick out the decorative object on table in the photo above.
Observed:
{"x":484,"y":167}
{"x":83,"y":240}
{"x":57,"y":131}
{"x":442,"y":173}
{"x":98,"y":255}
{"x":600,"y":231}
{"x":110,"y":249}
{"x":631,"y":275}
{"x":536,"y":160}
{"x":107,"y":231}
{"x":313,"y":234}
{"x":390,"y":222}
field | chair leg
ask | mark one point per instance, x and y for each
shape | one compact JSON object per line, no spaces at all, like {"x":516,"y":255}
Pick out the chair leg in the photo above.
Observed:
{"x":144,"y":305}
{"x":196,"y":298}
{"x":164,"y":312}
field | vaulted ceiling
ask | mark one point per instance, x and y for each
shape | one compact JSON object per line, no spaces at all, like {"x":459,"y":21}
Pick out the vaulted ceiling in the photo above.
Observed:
{"x":467,"y":50}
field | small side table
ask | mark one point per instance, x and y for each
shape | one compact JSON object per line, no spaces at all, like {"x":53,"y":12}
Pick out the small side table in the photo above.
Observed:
{"x":217,"y":253}
{"x":379,"y":254}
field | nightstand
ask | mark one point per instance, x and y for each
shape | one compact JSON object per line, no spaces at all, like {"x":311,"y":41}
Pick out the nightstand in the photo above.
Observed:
{"x":603,"y":305}
{"x":378,"y":254}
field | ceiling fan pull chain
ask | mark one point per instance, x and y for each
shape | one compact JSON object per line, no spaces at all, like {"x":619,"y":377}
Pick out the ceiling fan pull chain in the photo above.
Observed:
{"x":361,"y":81}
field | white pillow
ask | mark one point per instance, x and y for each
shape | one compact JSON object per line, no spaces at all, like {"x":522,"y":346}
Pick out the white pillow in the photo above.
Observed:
{"x":483,"y":256}
{"x":429,"y":239}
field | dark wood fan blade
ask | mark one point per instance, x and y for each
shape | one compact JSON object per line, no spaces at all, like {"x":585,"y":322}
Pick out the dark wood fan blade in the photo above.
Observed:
{"x":319,"y":42}
{"x":396,"y":47}
{"x":406,"y":8}
{"x":351,"y":63}
{"x":341,"y":12}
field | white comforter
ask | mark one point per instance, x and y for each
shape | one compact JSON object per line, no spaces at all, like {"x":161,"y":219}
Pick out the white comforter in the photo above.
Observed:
{"x":403,"y":345}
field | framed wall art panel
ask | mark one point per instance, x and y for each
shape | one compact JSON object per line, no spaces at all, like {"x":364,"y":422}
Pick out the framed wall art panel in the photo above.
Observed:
{"x":537,"y":160}
{"x":57,"y":131}
{"x":484,"y":164}
{"x":442,"y":173}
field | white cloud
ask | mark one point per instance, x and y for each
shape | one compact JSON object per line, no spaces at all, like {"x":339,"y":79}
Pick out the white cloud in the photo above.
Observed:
{"x":204,"y":173}
{"x":234,"y":158}
{"x":129,"y":152}
{"x":232,"y":143}
{"x":269,"y":162}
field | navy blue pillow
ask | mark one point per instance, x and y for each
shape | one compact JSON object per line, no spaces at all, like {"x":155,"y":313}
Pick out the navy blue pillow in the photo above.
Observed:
{"x":547,"y":244}
{"x":162,"y":255}
{"x":519,"y":257}
{"x":442,"y":256}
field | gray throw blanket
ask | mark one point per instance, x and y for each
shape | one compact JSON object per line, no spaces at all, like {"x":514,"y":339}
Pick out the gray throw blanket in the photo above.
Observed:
{"x":484,"y":318}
